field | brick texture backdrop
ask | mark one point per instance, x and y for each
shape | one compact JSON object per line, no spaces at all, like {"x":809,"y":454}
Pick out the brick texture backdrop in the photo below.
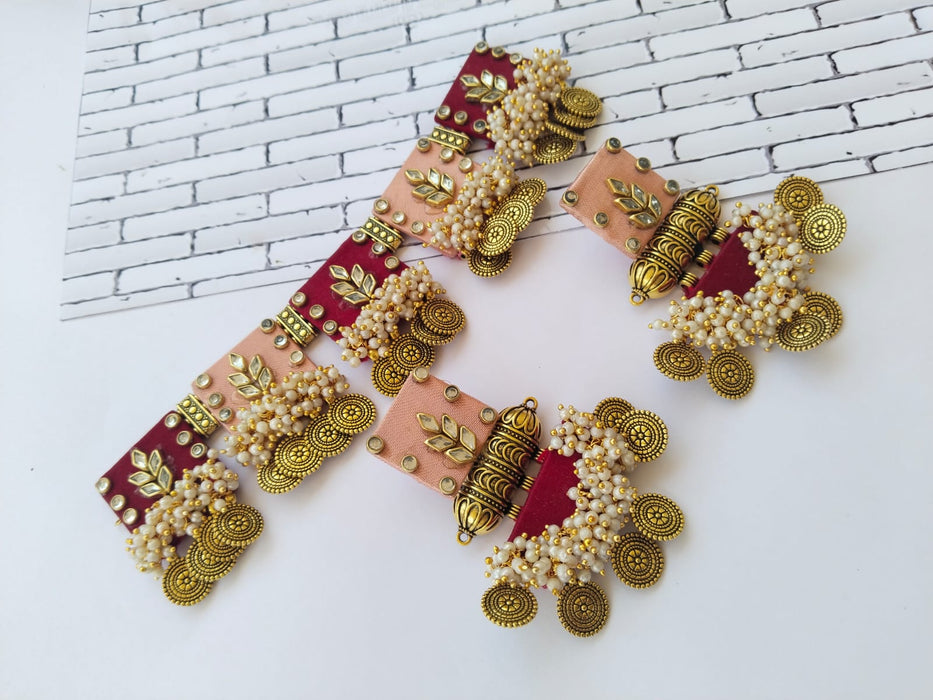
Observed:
{"x":226,"y":145}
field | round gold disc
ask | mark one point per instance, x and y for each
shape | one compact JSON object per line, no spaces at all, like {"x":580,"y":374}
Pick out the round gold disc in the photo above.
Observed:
{"x":409,"y":352}
{"x":822,"y":228}
{"x":508,"y":605}
{"x":730,"y":374}
{"x":387,"y":376}
{"x":442,"y":316}
{"x":581,"y":102}
{"x":209,"y":544}
{"x":564,"y":131}
{"x":657,"y":517}
{"x":483,"y":266}
{"x":273,"y":479}
{"x":797,"y":194}
{"x":644,"y":433}
{"x":426,"y":335}
{"x":180,"y":587}
{"x":582,"y":608}
{"x":680,"y":361}
{"x":326,"y":438}
{"x":637,"y":561}
{"x":239,"y":525}
{"x":824,"y":305}
{"x":553,"y":148}
{"x":497,"y":236}
{"x":610,"y":411}
{"x":294,"y":456}
{"x":204,"y":566}
{"x":519,"y":210}
{"x":566,"y":118}
{"x":533,"y":189}
{"x":352,"y":413}
{"x":802,"y":332}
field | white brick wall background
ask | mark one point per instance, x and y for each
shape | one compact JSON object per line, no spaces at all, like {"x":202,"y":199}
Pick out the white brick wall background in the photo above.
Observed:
{"x":226,"y":145}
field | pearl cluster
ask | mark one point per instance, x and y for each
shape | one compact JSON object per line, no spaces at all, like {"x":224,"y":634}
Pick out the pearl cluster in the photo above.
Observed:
{"x":726,"y":321}
{"x":377,"y":323}
{"x":519,"y":119}
{"x":580,"y":546}
{"x":286,"y":409}
{"x":463,"y":218}
{"x":208,"y":488}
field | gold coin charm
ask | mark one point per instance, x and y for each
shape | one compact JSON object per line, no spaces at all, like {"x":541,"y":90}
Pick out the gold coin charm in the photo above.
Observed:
{"x":352,"y":413}
{"x":426,"y":335}
{"x":519,"y":210}
{"x":326,"y":438}
{"x":644,"y":433}
{"x":294,"y":456}
{"x":582,"y":608}
{"x":553,"y":148}
{"x":409,"y":352}
{"x":802,"y":332}
{"x":207,"y":541}
{"x":238,"y":526}
{"x":387,"y":376}
{"x":730,"y":374}
{"x":581,"y":102}
{"x":533,"y":189}
{"x":657,"y":517}
{"x":180,"y":587}
{"x":797,"y":194}
{"x":562,"y":116}
{"x":508,"y":605}
{"x":483,"y":266}
{"x":822,"y":228}
{"x":206,"y":567}
{"x":273,"y":479}
{"x":824,"y":305}
{"x":680,"y":361}
{"x":564,"y":131}
{"x":442,"y":316}
{"x":498,"y":235}
{"x":610,"y":411}
{"x":637,"y":561}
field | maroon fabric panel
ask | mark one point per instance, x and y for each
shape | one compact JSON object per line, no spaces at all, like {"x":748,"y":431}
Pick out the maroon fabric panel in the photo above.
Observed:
{"x":729,"y":269}
{"x":547,"y":502}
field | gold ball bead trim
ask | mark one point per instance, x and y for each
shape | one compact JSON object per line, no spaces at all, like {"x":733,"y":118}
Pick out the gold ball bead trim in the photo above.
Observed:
{"x":657,"y":517}
{"x":636,"y":560}
{"x":797,"y":194}
{"x":802,"y":332}
{"x":295,"y":457}
{"x":352,"y":413}
{"x":565,"y":131}
{"x":180,"y":587}
{"x":508,"y":605}
{"x":822,"y":228}
{"x":239,"y":525}
{"x":483,"y":266}
{"x":826,"y":306}
{"x":645,"y":434}
{"x":679,"y":361}
{"x":426,"y":335}
{"x":611,"y":411}
{"x":582,"y":609}
{"x":730,"y":374}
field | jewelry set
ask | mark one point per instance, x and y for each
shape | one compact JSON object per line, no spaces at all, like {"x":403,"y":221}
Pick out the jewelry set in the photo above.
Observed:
{"x":268,"y":407}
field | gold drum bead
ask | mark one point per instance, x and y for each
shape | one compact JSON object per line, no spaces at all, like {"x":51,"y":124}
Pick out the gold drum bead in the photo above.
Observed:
{"x":674,"y":244}
{"x":484,"y":495}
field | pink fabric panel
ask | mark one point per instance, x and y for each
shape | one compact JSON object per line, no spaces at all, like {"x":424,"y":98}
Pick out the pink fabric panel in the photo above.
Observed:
{"x":400,"y":198}
{"x":256,"y":343}
{"x":547,"y":502}
{"x":402,"y":433}
{"x":595,"y":196}
{"x":729,"y":269}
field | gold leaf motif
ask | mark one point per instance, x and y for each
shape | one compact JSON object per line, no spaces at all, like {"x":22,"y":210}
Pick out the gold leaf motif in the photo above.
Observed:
{"x":457,"y":442}
{"x":643,"y":208}
{"x":356,"y":287}
{"x":154,"y":477}
{"x":435,"y":188}
{"x":258,"y":381}
{"x":488,"y":89}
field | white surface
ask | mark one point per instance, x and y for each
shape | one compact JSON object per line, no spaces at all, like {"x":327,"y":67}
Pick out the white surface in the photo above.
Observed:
{"x":805,"y":571}
{"x":221,"y":141}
